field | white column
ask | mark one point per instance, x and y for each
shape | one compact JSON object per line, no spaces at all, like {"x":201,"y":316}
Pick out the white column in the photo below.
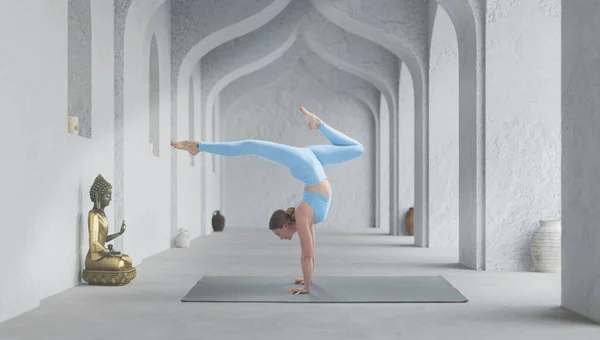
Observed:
{"x":444,"y":136}
{"x":406,"y":149}
{"x":580,"y":161}
{"x":393,"y":174}
{"x":384,"y":166}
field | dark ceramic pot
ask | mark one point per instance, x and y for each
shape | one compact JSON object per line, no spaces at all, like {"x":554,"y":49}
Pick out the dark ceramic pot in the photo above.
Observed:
{"x":218,"y":221}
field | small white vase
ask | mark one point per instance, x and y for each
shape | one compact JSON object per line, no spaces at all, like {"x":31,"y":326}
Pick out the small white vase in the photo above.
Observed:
{"x":73,"y":125}
{"x":545,"y":247}
{"x":182,"y":240}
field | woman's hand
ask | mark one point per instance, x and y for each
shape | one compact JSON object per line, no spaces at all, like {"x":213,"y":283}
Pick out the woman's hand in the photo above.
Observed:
{"x":299,"y":281}
{"x":296,"y":291}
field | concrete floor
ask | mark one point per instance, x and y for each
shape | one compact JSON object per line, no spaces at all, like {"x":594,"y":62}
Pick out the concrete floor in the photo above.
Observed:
{"x":501,"y":305}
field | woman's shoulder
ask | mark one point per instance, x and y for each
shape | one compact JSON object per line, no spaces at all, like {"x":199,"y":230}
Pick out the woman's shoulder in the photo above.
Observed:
{"x":303,"y":211}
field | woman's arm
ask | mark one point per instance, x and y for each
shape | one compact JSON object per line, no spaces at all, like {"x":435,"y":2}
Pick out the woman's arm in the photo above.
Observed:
{"x":307,"y":257}
{"x":312,"y":231}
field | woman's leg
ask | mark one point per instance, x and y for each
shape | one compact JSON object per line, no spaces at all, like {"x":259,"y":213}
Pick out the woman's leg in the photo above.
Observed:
{"x":343,"y":149}
{"x":279,"y":153}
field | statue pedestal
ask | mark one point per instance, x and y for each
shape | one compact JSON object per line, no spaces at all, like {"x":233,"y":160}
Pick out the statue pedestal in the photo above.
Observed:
{"x":109,"y":278}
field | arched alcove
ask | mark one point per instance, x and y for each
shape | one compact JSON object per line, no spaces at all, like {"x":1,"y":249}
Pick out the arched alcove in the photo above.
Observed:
{"x":341,"y":110}
{"x":444,"y":136}
{"x":79,"y":113}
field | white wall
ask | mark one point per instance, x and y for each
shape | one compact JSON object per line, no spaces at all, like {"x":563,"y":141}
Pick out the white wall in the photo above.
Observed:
{"x":580,"y":164}
{"x":57,"y":181}
{"x":245,"y":177}
{"x":522,"y":127}
{"x":443,"y":138}
{"x":50,"y":171}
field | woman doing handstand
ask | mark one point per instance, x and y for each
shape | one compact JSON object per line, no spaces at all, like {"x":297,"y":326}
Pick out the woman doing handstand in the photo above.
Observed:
{"x":305,"y":164}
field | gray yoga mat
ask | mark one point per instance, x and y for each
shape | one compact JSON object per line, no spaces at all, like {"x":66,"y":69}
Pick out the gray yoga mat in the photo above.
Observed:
{"x":325,"y":289}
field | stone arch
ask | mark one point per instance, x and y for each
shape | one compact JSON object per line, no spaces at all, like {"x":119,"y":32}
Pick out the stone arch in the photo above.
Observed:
{"x":305,"y":72}
{"x":444,"y":135}
{"x":418,"y":72}
{"x":329,"y":58}
{"x":190,"y":61}
{"x":248,"y":68}
{"x":467,"y":18}
{"x":219,"y":37}
{"x":144,"y":23}
{"x":361,"y":102}
{"x":270,"y":58}
{"x":132,"y":19}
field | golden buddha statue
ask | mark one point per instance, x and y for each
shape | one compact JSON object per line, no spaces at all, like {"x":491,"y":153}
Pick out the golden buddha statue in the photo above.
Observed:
{"x":104,"y":266}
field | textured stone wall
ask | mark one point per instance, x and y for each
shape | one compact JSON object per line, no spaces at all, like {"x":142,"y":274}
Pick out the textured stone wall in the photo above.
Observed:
{"x":331,"y":75}
{"x":272,"y":114}
{"x":80,"y":64}
{"x":377,"y":64}
{"x":443,"y":141}
{"x":197,"y":28}
{"x":580,"y":186}
{"x":522,"y":127}
{"x":195,"y":20}
{"x":406,"y":20}
{"x":255,"y":45}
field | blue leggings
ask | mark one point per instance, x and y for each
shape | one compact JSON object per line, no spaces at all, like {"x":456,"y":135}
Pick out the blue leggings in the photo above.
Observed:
{"x":304,"y":163}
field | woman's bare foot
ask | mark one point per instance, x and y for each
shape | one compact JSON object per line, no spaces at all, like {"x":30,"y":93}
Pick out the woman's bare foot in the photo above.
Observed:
{"x":187,"y":145}
{"x":313,"y":121}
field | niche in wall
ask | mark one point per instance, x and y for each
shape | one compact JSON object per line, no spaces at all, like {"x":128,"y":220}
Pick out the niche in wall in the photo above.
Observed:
{"x":154,"y":100}
{"x":191,"y":119}
{"x":79,"y":113}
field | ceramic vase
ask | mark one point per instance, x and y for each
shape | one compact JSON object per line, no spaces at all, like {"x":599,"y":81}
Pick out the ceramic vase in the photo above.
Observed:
{"x":410,"y":221}
{"x":545,"y":246}
{"x":182,"y":240}
{"x":218,"y":221}
{"x":73,"y":125}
